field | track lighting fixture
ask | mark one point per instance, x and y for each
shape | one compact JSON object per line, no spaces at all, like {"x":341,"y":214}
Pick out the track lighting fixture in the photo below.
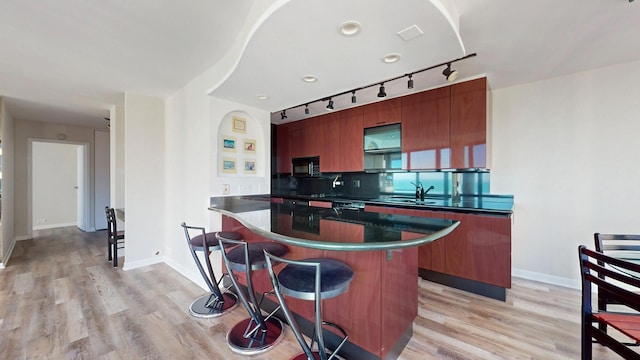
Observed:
{"x":450,"y":75}
{"x":382,"y":93}
{"x":330,"y":105}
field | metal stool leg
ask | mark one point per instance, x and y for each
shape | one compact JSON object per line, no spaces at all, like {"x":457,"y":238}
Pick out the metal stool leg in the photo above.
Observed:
{"x":257,"y":333}
{"x":216,"y":303}
{"x":298,"y":277}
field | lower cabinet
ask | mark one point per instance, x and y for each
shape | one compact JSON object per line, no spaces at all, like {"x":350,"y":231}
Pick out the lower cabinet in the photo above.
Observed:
{"x":479,"y":249}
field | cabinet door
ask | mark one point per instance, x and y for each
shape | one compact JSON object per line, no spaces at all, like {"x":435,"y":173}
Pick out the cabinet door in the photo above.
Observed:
{"x":296,"y":139}
{"x":480,"y":248}
{"x":469,"y":124}
{"x":329,"y":150}
{"x":382,"y":113}
{"x":351,"y":137}
{"x":313,"y":136}
{"x":431,"y":256}
{"x":425,"y":129}
{"x":283,"y":156}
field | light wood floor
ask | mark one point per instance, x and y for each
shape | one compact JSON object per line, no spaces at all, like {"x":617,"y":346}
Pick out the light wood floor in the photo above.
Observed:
{"x":61,"y":299}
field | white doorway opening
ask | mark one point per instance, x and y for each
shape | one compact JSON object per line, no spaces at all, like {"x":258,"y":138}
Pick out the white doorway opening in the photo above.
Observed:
{"x":57,"y":185}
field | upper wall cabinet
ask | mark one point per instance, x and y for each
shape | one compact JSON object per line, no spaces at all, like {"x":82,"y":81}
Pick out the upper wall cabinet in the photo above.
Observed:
{"x":351,"y":140}
{"x":425,"y":129}
{"x":382,"y":113}
{"x":283,"y":155}
{"x":469,"y":124}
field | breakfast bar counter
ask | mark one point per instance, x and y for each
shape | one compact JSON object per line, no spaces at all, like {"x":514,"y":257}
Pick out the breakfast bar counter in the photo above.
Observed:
{"x":379,"y":308}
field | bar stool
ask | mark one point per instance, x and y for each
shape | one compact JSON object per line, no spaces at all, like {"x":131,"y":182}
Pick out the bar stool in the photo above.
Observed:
{"x":310,"y":279}
{"x":257,"y":333}
{"x":217,"y":302}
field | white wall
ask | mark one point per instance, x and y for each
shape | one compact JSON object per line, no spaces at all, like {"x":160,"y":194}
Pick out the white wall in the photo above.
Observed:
{"x":7,"y":237}
{"x":102,"y":178}
{"x":144,"y":180}
{"x":54,"y":176}
{"x":193,"y":120}
{"x":25,"y":130}
{"x":191,"y":136}
{"x":567,"y":149}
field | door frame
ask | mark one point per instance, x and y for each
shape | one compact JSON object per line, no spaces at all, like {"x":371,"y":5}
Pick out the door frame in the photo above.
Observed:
{"x":85,"y":176}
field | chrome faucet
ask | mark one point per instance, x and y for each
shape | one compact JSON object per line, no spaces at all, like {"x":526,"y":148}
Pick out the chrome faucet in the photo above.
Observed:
{"x":335,"y":181}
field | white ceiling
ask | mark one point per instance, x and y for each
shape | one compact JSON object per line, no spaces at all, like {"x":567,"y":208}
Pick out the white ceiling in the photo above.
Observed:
{"x":68,"y":61}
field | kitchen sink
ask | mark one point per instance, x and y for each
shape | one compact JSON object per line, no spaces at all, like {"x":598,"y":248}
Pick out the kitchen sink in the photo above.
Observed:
{"x":409,"y":201}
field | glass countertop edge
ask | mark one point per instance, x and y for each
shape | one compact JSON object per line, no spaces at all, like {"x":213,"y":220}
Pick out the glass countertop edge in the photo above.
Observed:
{"x":339,"y":246}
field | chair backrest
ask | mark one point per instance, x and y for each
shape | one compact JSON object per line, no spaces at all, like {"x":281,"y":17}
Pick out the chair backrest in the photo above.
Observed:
{"x":600,"y":270}
{"x":621,"y":246}
{"x":112,"y":226}
{"x":606,"y":274}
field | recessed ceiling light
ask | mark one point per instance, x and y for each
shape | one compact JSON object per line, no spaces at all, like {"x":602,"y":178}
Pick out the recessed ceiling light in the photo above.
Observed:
{"x":310,"y":78}
{"x":262,"y":97}
{"x":391,"y":58}
{"x":349,"y":28}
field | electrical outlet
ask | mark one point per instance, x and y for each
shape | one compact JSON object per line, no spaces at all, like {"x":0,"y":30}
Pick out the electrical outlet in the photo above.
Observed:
{"x":356,"y":183}
{"x":225,"y":189}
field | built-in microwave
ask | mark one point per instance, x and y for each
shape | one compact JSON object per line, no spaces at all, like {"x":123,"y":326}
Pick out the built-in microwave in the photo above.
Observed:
{"x":307,"y":166}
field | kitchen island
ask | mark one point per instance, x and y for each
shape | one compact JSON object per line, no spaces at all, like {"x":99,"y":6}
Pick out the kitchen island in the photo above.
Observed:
{"x":379,"y":308}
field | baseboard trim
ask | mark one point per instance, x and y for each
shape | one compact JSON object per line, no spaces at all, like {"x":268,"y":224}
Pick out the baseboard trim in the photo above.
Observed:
{"x":23,"y":237}
{"x":547,"y":279}
{"x":130,"y":265}
{"x":52,"y":226}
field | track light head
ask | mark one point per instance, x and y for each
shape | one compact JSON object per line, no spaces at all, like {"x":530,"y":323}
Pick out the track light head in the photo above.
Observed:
{"x":353,"y":97}
{"x":450,"y":75}
{"x":306,"y":109}
{"x":283,"y":114}
{"x":410,"y":82}
{"x":330,"y":105}
{"x":382,"y":93}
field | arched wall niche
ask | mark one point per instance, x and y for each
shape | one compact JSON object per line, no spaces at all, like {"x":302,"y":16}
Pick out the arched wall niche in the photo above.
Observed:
{"x":240,"y":148}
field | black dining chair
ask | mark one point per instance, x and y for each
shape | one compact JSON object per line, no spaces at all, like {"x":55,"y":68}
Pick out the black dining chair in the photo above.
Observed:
{"x":115,"y":238}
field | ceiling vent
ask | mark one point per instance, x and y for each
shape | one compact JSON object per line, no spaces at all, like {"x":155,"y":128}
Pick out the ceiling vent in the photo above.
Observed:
{"x":410,"y":33}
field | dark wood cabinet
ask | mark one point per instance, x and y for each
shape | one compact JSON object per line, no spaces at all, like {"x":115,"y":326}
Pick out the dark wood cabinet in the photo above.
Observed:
{"x":283,"y":155}
{"x":469,"y":124}
{"x":425,"y":129}
{"x":314,"y":140}
{"x":382,"y":113}
{"x":479,"y":248}
{"x":351,"y":145}
{"x":329,"y":154}
{"x":296,"y":139}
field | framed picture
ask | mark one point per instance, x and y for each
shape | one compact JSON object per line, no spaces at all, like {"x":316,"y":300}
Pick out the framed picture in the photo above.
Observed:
{"x":249,"y":145}
{"x":239,"y":124}
{"x":229,"y":165}
{"x":250,"y":166}
{"x":229,"y":143}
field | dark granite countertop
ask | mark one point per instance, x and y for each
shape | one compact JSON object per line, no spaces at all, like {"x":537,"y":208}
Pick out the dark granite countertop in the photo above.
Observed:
{"x":489,"y":204}
{"x":324,"y":228}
